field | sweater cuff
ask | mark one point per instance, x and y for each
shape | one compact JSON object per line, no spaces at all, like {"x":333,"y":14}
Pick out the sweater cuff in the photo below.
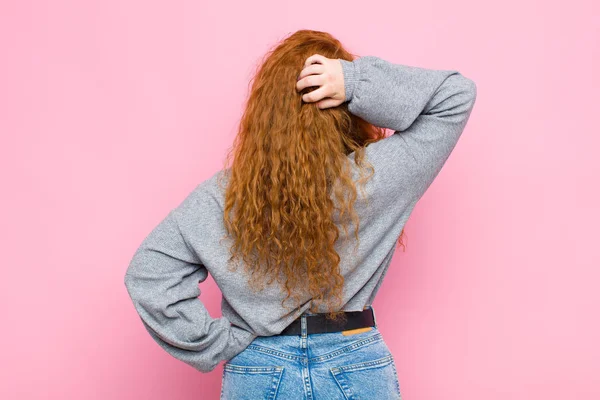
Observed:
{"x":351,"y":76}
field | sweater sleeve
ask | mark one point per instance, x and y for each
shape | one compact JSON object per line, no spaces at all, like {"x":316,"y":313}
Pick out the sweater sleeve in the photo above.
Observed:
{"x":426,"y":108}
{"x":162,"y":280}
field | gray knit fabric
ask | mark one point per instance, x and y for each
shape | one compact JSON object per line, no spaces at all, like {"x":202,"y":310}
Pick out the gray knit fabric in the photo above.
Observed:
{"x":428,"y":110}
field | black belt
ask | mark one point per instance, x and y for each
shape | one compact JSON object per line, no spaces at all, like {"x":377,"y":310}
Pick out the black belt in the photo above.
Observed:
{"x":317,"y":323}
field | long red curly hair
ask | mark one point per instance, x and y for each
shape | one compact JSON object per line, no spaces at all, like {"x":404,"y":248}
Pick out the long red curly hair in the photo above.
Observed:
{"x":290,"y":158}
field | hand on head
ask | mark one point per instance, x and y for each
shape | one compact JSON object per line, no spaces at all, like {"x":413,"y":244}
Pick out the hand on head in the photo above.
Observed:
{"x":328,"y":75}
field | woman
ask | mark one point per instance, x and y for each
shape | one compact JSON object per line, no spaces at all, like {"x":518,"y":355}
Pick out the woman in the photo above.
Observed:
{"x":313,"y":125}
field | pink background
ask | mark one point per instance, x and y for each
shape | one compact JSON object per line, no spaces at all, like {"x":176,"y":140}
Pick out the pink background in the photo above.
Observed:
{"x":112,"y":111}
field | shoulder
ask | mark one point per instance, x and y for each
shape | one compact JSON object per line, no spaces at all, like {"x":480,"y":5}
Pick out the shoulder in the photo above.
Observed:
{"x":202,"y":205}
{"x":209,"y":193}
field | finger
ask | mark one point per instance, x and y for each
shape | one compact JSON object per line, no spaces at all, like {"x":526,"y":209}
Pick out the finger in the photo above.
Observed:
{"x":308,"y":81}
{"x":311,"y":70}
{"x":315,"y":58}
{"x":315,"y":95}
{"x":328,"y":103}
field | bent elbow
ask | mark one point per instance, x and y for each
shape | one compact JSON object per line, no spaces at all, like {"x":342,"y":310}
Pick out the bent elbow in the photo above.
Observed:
{"x":470,"y":89}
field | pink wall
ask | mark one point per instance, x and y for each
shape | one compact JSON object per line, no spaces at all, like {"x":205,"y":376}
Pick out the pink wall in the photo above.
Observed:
{"x":111,"y":111}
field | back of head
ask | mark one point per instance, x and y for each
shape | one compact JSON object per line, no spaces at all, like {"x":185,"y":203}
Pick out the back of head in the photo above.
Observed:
{"x":290,"y":157}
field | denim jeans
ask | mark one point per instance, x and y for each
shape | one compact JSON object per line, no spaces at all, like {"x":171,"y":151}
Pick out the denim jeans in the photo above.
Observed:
{"x":316,"y":366}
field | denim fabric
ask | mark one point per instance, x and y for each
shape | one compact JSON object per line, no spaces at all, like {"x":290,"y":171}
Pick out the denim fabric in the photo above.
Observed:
{"x":317,"y":366}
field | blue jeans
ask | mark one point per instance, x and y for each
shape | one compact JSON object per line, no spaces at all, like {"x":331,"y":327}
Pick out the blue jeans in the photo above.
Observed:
{"x":316,"y":366}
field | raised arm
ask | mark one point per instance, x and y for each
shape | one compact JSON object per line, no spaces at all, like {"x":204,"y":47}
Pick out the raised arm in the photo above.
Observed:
{"x":162,"y":281}
{"x":392,"y":95}
{"x":428,"y":110}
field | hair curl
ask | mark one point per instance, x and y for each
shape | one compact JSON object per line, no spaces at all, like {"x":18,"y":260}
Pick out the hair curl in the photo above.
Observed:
{"x":290,"y":157}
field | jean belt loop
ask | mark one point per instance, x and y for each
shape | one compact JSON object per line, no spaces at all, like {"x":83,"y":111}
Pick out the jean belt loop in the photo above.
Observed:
{"x":374,"y":320}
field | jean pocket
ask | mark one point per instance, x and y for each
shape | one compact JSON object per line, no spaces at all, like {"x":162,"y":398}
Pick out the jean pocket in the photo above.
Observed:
{"x":243,"y":382}
{"x":370,"y":379}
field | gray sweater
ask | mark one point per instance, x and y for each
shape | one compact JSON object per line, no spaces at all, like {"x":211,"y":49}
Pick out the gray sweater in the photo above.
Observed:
{"x":427,"y":110}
